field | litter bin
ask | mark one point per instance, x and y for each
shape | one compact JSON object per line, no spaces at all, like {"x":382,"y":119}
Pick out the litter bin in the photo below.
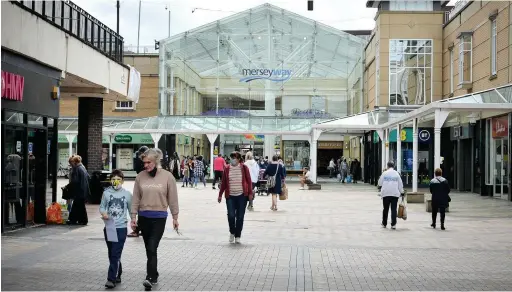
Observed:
{"x":97,"y":184}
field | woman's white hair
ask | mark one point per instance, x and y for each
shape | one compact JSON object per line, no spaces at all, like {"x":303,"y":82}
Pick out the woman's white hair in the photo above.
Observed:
{"x":248,"y":156}
{"x":155,"y":155}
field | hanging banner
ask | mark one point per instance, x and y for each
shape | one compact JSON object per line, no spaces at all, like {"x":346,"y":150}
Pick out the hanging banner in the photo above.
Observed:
{"x":500,"y":127}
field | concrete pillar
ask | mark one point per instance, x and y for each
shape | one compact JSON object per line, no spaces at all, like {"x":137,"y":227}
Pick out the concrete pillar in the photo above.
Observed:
{"x":90,"y":124}
{"x":70,"y":138}
{"x":398,"y":149}
{"x":382,"y":136}
{"x":162,"y":83}
{"x":212,"y":138}
{"x":415,"y":155}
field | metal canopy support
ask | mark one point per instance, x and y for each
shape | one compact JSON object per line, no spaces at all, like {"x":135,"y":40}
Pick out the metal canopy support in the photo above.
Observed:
{"x":70,"y":138}
{"x":415,"y":155}
{"x":398,"y":148}
{"x":212,"y":138}
{"x":313,"y":149}
{"x":156,"y":137}
{"x":440,"y":118}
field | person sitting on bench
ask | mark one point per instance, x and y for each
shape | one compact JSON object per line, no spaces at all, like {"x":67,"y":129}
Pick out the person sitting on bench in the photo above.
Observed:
{"x":305,"y":178}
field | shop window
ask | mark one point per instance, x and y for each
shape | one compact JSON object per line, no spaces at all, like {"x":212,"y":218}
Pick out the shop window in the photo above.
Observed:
{"x":494,"y":45}
{"x":296,"y":154}
{"x":410,"y":71}
{"x":13,"y":117}
{"x":465,"y":60}
{"x":124,"y":105}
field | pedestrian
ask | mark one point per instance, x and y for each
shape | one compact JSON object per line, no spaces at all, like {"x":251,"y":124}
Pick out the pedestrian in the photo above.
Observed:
{"x":236,"y":186}
{"x":391,"y":188}
{"x":199,"y":171}
{"x":343,"y":170}
{"x":138,"y":167}
{"x":218,"y":168}
{"x":79,"y":185}
{"x":355,"y":170}
{"x":275,"y":170}
{"x":254,"y":170}
{"x":115,"y":204}
{"x":331,"y":168}
{"x":186,"y":176}
{"x":305,"y":178}
{"x":154,"y":191}
{"x":440,"y":190}
{"x":174,"y":165}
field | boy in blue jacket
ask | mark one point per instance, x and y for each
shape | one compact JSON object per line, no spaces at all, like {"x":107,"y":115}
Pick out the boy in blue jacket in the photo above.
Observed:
{"x":116,"y":203}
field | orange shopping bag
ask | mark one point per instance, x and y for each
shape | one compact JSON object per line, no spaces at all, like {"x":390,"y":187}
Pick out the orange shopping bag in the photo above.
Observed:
{"x":53,"y":215}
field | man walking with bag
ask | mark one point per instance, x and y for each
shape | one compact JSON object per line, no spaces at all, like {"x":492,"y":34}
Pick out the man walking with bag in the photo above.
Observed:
{"x":392,"y":187}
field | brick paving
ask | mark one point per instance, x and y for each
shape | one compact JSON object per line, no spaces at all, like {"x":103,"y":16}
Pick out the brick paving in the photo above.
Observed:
{"x":318,"y":240}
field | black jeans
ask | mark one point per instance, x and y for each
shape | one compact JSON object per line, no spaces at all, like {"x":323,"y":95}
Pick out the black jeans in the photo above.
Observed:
{"x":435,"y":209}
{"x":152,"y":231}
{"x":386,"y":202}
{"x":236,"y":211}
{"x":218,"y":175}
{"x":115,"y":249}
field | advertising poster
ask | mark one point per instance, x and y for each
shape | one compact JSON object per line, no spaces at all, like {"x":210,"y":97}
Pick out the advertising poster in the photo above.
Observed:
{"x":407,"y":161}
{"x":124,"y":158}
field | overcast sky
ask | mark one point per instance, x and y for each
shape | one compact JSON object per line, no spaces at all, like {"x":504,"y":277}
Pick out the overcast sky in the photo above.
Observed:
{"x":341,"y":14}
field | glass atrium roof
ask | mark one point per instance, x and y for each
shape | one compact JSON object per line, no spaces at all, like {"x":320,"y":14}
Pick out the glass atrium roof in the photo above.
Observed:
{"x":214,"y":125}
{"x":266,"y":37}
{"x":364,"y":121}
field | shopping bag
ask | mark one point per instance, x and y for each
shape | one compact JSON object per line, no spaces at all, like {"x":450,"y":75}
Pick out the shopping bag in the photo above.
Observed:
{"x":402,"y":210}
{"x":30,"y":212}
{"x":284,"y":193}
{"x":53,"y":215}
{"x":349,"y":178}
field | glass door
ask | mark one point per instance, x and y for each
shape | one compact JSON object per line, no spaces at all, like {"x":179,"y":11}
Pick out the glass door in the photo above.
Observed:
{"x":13,"y":170}
{"x":501,"y":168}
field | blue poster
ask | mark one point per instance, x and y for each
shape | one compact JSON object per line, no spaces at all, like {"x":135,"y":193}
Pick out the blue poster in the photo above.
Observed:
{"x":407,"y":161}
{"x":30,"y":147}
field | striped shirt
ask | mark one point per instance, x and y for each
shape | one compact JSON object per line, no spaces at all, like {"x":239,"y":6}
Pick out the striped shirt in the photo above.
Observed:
{"x":235,"y":181}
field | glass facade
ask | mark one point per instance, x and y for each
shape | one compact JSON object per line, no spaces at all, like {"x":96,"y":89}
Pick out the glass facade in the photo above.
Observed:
{"x":261,"y":62}
{"x":410,"y":72}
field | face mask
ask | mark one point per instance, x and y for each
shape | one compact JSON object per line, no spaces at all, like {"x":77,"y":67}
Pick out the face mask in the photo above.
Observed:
{"x":233,"y":162}
{"x":153,"y":172}
{"x":117,"y":183}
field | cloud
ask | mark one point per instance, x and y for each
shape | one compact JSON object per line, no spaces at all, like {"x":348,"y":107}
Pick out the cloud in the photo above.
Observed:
{"x":340,"y":14}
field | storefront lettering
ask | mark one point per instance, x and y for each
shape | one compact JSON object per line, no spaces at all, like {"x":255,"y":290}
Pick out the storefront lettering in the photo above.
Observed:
{"x":12,"y":86}
{"x":123,"y":138}
{"x":330,"y":145}
{"x":310,"y":113}
{"x":275,"y":75}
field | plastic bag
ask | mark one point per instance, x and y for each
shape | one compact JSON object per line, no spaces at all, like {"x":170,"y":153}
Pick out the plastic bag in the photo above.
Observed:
{"x":53,"y":215}
{"x":402,"y":210}
{"x":284,"y":193}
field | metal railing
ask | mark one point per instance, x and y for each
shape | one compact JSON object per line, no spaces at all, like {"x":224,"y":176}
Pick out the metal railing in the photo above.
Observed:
{"x":75,"y":21}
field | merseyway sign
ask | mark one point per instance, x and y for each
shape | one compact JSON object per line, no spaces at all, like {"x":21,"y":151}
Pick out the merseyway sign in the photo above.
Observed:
{"x":275,"y":75}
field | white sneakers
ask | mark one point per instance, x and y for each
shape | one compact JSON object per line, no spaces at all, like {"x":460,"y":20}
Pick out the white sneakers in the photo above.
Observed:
{"x":237,"y":240}
{"x":302,"y":188}
{"x":231,"y":238}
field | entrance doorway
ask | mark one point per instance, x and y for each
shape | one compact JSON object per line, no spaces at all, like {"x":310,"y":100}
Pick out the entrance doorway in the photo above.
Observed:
{"x":501,"y":168}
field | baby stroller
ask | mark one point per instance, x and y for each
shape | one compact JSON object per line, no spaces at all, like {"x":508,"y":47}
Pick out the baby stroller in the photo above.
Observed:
{"x":261,"y":185}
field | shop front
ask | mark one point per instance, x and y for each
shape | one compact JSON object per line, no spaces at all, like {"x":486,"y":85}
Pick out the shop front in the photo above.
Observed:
{"x":328,"y":150}
{"x":295,"y":155}
{"x":498,"y":151}
{"x":30,"y":109}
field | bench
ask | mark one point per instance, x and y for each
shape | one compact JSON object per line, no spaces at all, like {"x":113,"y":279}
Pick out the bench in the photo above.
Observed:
{"x":314,"y":187}
{"x":415,"y":198}
{"x":428,"y":206}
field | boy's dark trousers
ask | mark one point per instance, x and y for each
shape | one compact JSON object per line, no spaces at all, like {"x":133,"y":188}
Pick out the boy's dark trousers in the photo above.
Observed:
{"x":115,"y":249}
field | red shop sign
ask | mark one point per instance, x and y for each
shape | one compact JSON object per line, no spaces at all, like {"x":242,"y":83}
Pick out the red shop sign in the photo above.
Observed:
{"x":500,"y":127}
{"x":12,"y":86}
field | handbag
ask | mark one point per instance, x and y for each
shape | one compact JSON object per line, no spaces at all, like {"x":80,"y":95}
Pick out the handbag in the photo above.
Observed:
{"x":66,"y":192}
{"x":284,"y":194}
{"x":271,"y":181}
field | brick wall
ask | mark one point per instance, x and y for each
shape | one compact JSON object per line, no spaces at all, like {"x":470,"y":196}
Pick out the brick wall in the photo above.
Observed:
{"x":90,"y":121}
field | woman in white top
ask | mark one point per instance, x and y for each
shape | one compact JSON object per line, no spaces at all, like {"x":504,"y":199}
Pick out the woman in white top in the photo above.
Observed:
{"x":254,"y":170}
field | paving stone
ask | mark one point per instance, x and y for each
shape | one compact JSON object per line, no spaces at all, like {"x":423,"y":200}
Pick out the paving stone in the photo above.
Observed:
{"x":323,"y":240}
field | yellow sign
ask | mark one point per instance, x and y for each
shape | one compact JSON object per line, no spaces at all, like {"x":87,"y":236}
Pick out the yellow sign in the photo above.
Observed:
{"x":403,"y":135}
{"x":330,"y":145}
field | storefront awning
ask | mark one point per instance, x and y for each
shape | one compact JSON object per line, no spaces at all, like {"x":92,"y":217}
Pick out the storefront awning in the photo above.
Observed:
{"x":361,"y":122}
{"x":215,"y":125}
{"x":462,"y":109}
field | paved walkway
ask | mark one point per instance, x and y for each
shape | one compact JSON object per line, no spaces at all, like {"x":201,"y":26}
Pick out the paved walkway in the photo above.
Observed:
{"x":318,"y":240}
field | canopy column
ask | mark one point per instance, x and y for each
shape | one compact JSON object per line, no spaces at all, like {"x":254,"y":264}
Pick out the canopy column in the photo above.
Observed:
{"x":110,"y":150}
{"x":382,"y":136}
{"x":211,"y":138}
{"x":414,"y":155}
{"x":156,"y":137}
{"x":398,"y":148}
{"x":440,"y":118}
{"x":70,"y":138}
{"x":313,"y":147}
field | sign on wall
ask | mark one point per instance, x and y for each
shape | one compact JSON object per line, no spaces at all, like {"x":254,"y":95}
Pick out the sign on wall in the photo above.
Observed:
{"x":274,"y":75}
{"x":12,"y":86}
{"x":500,"y":127}
{"x":124,"y":158}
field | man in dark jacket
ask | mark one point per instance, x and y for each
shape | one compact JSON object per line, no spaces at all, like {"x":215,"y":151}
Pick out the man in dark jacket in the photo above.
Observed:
{"x":138,"y":165}
{"x":440,"y":190}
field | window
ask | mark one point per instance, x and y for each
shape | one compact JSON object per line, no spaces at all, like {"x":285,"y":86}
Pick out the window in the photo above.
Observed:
{"x":465,"y":60}
{"x":493,"y":47}
{"x":124,"y":104}
{"x":410,"y":72}
{"x":451,"y":71}
{"x":411,"y":5}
